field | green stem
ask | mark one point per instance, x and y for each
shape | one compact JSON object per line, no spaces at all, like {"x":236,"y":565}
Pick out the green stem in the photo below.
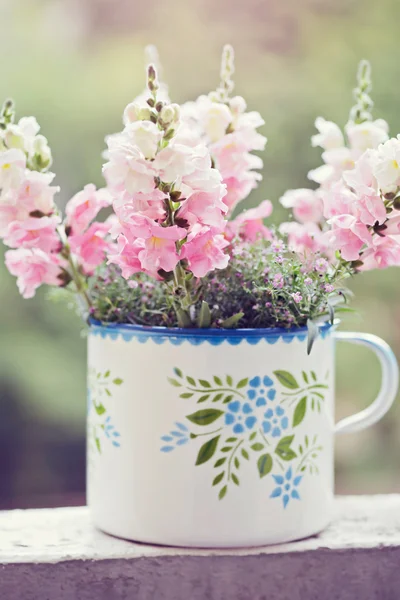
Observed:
{"x":232,"y":457}
{"x":260,"y":431}
{"x":307,"y":389}
{"x":208,"y":433}
{"x":211,"y":390}
{"x":307,"y":454}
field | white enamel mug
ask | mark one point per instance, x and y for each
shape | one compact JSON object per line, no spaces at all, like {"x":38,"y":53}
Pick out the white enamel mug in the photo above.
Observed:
{"x":217,"y":438}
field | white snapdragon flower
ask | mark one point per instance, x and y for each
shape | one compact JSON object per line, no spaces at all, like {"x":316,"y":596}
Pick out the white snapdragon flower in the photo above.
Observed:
{"x":366,"y":135}
{"x":145,"y":135}
{"x":329,"y":135}
{"x":215,"y":118}
{"x":386,"y":165}
{"x":12,"y":168}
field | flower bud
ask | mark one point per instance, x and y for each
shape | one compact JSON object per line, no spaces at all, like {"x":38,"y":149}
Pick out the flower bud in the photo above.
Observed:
{"x":42,"y":152}
{"x":135,"y":112}
{"x":14,"y":137}
{"x":237,"y":105}
{"x":167,"y":114}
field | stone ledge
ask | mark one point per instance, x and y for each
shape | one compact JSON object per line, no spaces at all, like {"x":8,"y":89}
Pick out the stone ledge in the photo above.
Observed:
{"x":57,"y":555}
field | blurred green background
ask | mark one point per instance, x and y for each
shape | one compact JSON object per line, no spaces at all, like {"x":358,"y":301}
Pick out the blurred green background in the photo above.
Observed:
{"x":75,"y":64}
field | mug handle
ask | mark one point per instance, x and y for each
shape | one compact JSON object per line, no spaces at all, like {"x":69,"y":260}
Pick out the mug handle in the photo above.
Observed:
{"x":390,"y":382}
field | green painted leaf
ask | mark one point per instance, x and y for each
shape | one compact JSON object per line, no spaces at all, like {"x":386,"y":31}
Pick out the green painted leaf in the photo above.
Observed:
{"x":231,"y":440}
{"x":186,"y":395}
{"x":117,"y":381}
{"x":107,"y":374}
{"x":264,"y":464}
{"x":257,"y":447}
{"x":253,"y":435}
{"x":220,"y":462}
{"x":107,"y":391}
{"x":178,"y":372}
{"x":226,"y":449}
{"x":203,"y":398}
{"x":217,"y":397}
{"x":283,"y":449}
{"x":218,"y":380}
{"x":312,"y":404}
{"x":306,"y":441}
{"x":98,"y":445}
{"x":205,"y":416}
{"x":100,"y":409}
{"x":235,"y":478}
{"x":191,"y":381}
{"x":218,"y":478}
{"x":236,"y":462}
{"x":242,"y":383}
{"x":245,"y":454}
{"x":228,"y":399}
{"x":229,"y":380}
{"x":301,"y":449}
{"x":313,"y":375}
{"x":305,"y":377}
{"x":207,"y":450}
{"x":174,"y":382}
{"x":286,"y":379}
{"x":300,"y":411}
{"x":222,"y":492}
{"x":205,"y":383}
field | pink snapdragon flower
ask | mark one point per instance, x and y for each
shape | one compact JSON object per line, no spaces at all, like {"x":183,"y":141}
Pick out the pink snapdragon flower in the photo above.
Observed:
{"x":306,"y":205}
{"x":383,"y":253}
{"x":34,"y":233}
{"x":127,"y":170}
{"x":249,"y":224}
{"x":304,"y":237}
{"x":85,"y":206}
{"x":33,"y":267}
{"x":204,"y":251}
{"x":12,"y":169}
{"x":91,"y":247}
{"x":348,"y":235}
{"x":204,"y":208}
{"x":127,"y":256}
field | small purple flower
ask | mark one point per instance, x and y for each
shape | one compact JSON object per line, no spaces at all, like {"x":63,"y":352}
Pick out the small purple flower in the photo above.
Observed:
{"x":308,"y":281}
{"x":321,"y":265}
{"x":286,"y":487}
{"x":297,"y":297}
{"x":328,"y":287}
{"x":277,"y":281}
{"x":239,"y":415}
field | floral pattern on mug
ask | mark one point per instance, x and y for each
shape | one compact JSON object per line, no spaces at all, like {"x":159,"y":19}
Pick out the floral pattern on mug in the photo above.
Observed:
{"x":100,"y":386}
{"x":249,"y":421}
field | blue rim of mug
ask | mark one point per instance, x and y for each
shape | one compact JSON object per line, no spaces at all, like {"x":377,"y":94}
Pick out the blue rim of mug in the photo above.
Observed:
{"x":215,"y":337}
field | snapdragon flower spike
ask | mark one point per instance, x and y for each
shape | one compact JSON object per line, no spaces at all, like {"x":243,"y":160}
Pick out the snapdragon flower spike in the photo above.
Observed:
{"x":167,"y":198}
{"x":221,"y":121}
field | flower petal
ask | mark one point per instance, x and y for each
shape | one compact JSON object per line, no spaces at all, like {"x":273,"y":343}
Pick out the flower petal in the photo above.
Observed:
{"x":278,"y":479}
{"x":269,"y":414}
{"x":255,"y":382}
{"x":276,"y":492}
{"x":246,"y":408}
{"x":271,"y":394}
{"x":297,"y":479}
{"x":234,"y":406}
{"x":238,"y":428}
{"x":251,"y":394}
{"x":261,"y":401}
{"x":267,"y":381}
{"x":284,"y":423}
{"x":289,"y":473}
{"x":250,"y":422}
{"x":285,"y":500}
{"x":279,"y":411}
{"x":266,"y":426}
{"x":276,"y":432}
{"x":295,"y":494}
{"x":229,"y":419}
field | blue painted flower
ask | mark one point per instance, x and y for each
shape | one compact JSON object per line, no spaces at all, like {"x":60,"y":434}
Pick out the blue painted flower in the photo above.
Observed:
{"x":177,"y":437}
{"x":275,"y":421}
{"x":239,"y":415}
{"x":110,"y":432}
{"x":260,"y":392}
{"x":286,"y":487}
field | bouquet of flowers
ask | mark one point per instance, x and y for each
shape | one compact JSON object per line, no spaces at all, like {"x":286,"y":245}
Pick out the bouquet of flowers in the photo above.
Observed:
{"x":169,"y":252}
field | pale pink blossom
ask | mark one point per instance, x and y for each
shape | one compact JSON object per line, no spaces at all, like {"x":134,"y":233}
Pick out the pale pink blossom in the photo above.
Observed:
{"x":304,"y":237}
{"x":33,"y":267}
{"x":249,"y":224}
{"x":85,"y":206}
{"x":145,"y":136}
{"x":91,"y":246}
{"x":12,"y":169}
{"x":204,"y":208}
{"x":204,"y":251}
{"x":339,"y":200}
{"x":127,"y":170}
{"x":127,"y":256}
{"x":329,"y":135}
{"x":306,"y":205}
{"x":278,"y":281}
{"x":150,"y":205}
{"x":34,"y":233}
{"x":384,"y":252}
{"x":214,"y":117}
{"x":370,"y":206}
{"x":348,"y":235}
{"x":366,"y":135}
{"x":297,"y":297}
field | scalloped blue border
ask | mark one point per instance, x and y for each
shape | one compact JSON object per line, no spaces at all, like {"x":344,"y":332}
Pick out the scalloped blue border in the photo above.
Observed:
{"x":215,"y":337}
